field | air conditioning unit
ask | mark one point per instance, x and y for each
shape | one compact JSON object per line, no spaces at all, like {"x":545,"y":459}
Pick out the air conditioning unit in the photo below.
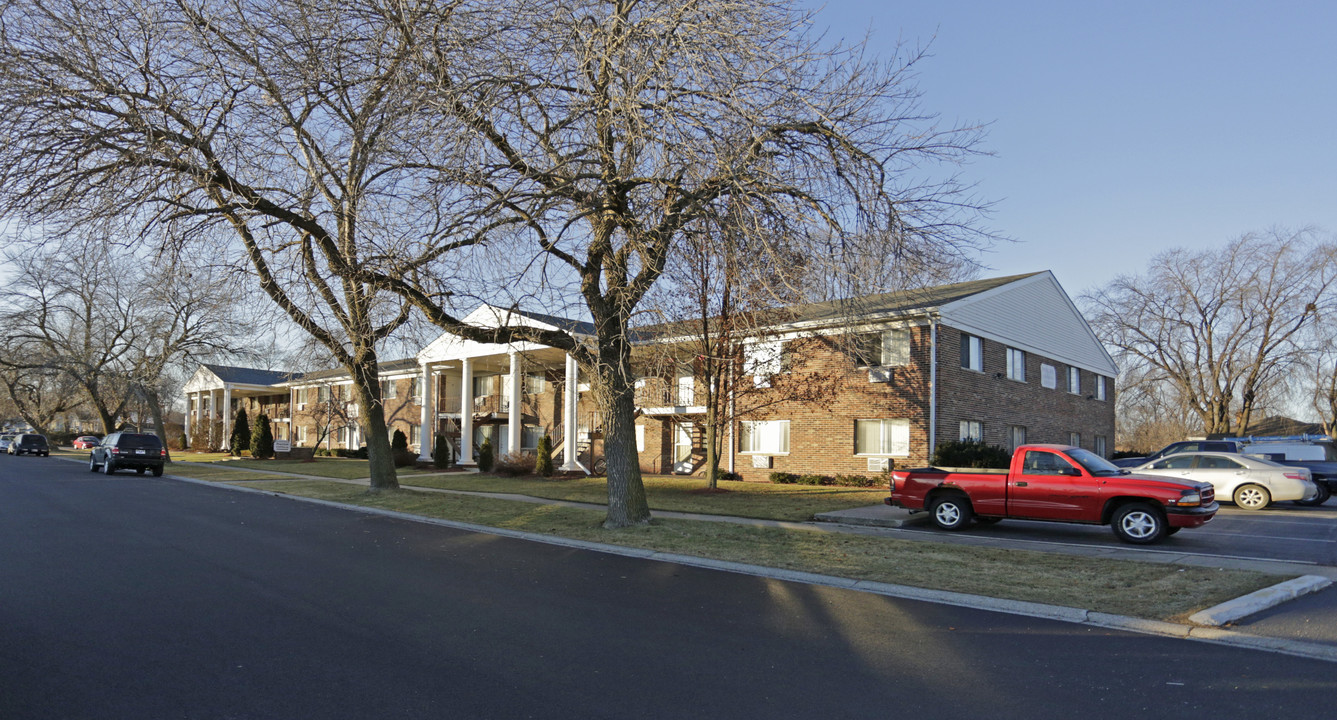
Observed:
{"x":301,"y":406}
{"x":879,"y":375}
{"x":761,"y":461}
{"x":879,"y":464}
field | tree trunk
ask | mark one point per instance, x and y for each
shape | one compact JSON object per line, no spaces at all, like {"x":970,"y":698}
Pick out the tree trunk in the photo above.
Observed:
{"x":159,"y":423}
{"x":712,"y":441}
{"x":627,"y":504}
{"x":381,"y":460}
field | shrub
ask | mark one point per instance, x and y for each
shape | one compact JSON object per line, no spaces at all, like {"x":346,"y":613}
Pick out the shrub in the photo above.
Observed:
{"x":731,"y":477}
{"x":814,"y":480}
{"x":971,"y":454}
{"x":860,"y":480}
{"x":399,"y":441}
{"x":241,"y":433}
{"x":262,"y":440}
{"x":441,"y":453}
{"x":181,"y":443}
{"x":543,"y":464}
{"x":784,"y":478}
{"x":485,"y":456}
{"x":516,"y":463}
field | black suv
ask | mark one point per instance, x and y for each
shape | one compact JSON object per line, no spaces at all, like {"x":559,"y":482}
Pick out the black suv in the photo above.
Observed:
{"x":123,"y":450}
{"x":29,"y":443}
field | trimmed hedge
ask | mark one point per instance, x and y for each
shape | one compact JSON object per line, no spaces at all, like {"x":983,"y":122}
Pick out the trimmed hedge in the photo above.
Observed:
{"x":838,"y":480}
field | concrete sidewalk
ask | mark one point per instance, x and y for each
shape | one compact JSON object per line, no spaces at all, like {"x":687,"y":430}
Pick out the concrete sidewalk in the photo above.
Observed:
{"x":1310,"y":630}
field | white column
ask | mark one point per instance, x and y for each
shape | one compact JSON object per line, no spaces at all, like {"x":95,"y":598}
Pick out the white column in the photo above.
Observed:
{"x":570,"y":401}
{"x":428,"y":432}
{"x":513,"y":419}
{"x":227,"y":418}
{"x":467,"y":412}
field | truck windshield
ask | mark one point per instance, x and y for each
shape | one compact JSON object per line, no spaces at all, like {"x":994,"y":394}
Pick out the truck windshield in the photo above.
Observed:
{"x":1093,"y":463}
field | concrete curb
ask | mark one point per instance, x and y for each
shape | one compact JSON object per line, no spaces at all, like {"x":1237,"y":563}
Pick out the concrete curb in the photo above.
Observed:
{"x":1214,"y":635}
{"x":1259,"y":600}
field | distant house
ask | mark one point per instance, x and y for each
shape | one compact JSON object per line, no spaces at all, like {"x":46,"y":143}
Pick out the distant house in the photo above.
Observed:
{"x":1006,"y":360}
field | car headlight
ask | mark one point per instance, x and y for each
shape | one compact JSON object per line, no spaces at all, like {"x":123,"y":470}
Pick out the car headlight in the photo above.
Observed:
{"x":1189,"y":498}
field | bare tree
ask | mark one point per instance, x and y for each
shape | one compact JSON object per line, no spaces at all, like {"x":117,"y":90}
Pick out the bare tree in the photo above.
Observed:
{"x":609,"y":129}
{"x":294,"y":125}
{"x":1219,"y":327}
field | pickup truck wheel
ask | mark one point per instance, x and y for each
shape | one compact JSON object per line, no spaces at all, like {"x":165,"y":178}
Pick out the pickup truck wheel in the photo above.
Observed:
{"x":951,"y":512}
{"x":1252,"y":497}
{"x":1139,"y":524}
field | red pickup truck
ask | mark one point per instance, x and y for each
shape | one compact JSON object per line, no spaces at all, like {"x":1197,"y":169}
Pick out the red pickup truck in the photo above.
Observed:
{"x":1059,"y":483}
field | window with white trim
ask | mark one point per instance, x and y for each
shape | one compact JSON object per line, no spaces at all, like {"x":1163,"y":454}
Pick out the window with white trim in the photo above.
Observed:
{"x":1100,"y":445}
{"x":972,"y":353}
{"x":388,"y":389}
{"x":415,"y":436}
{"x":764,"y":437}
{"x":1074,"y":381}
{"x":762,"y":360}
{"x":535,"y":383}
{"x":1100,"y":387}
{"x":1075,"y":439}
{"x":1048,"y":376}
{"x":1016,"y":364}
{"x":640,"y":438}
{"x":415,"y":389}
{"x":972,"y":430}
{"x":882,"y":437}
{"x":889,"y":348}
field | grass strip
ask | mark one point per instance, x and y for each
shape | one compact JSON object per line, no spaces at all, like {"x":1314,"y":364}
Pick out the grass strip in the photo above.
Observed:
{"x":1147,"y":590}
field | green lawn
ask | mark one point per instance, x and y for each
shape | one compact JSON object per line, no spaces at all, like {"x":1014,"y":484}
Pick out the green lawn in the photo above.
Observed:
{"x":1158,"y":591}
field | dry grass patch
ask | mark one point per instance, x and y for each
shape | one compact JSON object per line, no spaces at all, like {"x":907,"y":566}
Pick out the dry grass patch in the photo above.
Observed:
{"x":1157,"y":591}
{"x":739,"y":499}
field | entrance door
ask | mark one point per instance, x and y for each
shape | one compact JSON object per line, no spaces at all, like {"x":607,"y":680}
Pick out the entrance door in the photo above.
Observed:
{"x":682,"y":448}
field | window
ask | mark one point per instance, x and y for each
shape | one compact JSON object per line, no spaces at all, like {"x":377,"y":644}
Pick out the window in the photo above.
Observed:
{"x":640,"y":438}
{"x":535,"y":383}
{"x":529,"y":437}
{"x":1174,"y":462}
{"x":1074,"y":381}
{"x":1100,"y":445}
{"x":765,"y":437}
{"x":415,"y":389}
{"x":1016,"y":436}
{"x":1048,"y":376}
{"x":1212,"y":462}
{"x":762,"y":360}
{"x":972,"y":353}
{"x":323,"y":393}
{"x":1016,"y":364}
{"x":388,"y":388}
{"x":415,"y":436}
{"x":1100,"y":387}
{"x":1075,"y":439}
{"x":972,"y":430}
{"x":882,"y":437}
{"x":889,"y":348}
{"x":1038,"y":462}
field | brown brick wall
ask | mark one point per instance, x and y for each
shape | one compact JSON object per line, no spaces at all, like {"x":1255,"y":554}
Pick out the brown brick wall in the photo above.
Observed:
{"x":1048,"y":415}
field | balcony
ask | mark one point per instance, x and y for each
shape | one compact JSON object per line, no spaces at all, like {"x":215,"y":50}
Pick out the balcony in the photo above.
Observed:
{"x":658,"y":397}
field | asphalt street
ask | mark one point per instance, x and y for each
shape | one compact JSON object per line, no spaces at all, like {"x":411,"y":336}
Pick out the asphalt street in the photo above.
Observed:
{"x":136,"y":597}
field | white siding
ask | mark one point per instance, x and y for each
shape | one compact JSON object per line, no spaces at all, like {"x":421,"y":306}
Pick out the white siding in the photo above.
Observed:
{"x":1032,"y":314}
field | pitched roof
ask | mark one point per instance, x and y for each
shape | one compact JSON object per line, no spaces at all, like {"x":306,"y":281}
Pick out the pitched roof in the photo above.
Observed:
{"x":576,"y":327}
{"x":249,"y":376}
{"x":389,"y":366}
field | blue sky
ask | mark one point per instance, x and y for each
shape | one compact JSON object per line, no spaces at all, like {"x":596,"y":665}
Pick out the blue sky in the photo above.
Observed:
{"x":1125,"y":128}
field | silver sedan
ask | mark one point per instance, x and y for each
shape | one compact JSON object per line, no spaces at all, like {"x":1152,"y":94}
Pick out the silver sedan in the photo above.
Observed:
{"x":1252,"y":483}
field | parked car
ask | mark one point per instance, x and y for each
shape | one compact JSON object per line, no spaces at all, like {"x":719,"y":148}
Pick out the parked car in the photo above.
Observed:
{"x":5,"y":442}
{"x":1250,"y":482}
{"x":1229,"y":446}
{"x":1314,"y":453}
{"x":29,"y":444}
{"x":125,"y":450}
{"x":86,"y":442}
{"x":1060,"y":483}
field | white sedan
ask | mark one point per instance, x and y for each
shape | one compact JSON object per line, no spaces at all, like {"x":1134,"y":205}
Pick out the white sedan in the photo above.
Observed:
{"x":1252,"y":483}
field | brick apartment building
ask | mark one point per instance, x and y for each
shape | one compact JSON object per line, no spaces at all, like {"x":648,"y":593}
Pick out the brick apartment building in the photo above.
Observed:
{"x":836,"y":388}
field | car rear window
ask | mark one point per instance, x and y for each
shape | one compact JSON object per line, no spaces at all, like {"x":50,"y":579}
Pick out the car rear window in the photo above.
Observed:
{"x":139,"y":442}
